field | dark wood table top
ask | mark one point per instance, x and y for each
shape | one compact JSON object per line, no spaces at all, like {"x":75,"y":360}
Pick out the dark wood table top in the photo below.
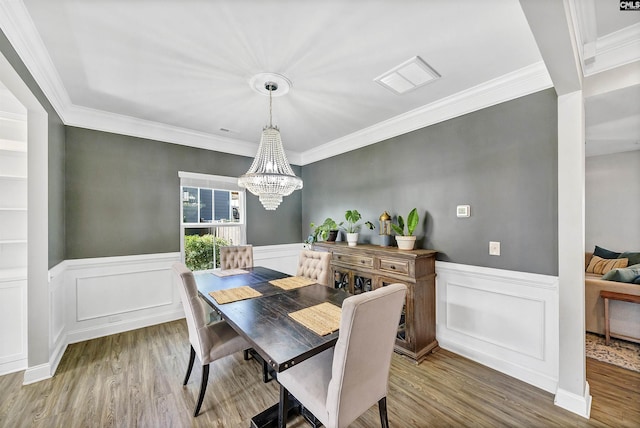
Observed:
{"x":264,"y":321}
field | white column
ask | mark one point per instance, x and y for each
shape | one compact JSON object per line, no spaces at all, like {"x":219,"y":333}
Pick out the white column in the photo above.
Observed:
{"x":573,"y":389}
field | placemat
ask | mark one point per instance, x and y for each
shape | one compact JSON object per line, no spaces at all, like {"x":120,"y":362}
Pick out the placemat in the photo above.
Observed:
{"x":292,"y":282}
{"x":322,"y":319}
{"x":228,"y":272}
{"x":234,"y":294}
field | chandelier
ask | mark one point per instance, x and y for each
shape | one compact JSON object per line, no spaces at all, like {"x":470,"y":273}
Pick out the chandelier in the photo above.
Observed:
{"x":270,"y":176}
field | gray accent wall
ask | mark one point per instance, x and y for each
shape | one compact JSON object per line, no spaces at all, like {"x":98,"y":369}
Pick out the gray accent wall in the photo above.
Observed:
{"x":122,"y":195}
{"x":612,"y":201}
{"x":56,"y":156}
{"x":502,"y":161}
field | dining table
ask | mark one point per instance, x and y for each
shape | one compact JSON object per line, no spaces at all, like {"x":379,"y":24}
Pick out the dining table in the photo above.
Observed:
{"x":264,"y":321}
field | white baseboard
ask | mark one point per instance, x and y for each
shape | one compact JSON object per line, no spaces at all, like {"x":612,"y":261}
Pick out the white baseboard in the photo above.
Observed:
{"x":578,"y":404}
{"x":505,"y":320}
{"x":37,"y":373}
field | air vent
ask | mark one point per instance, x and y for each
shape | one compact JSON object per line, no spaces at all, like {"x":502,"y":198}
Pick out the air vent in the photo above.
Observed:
{"x":408,"y":76}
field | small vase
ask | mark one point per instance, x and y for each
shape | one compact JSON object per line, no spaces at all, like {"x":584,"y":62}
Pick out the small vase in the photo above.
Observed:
{"x":352,"y":239}
{"x":333,"y":234}
{"x":405,"y":242}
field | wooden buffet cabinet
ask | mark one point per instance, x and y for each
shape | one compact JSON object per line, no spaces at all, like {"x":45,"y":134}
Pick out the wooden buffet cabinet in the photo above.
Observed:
{"x":367,"y":267}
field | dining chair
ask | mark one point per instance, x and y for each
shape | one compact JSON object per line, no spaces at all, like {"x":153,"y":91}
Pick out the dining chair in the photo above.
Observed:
{"x":315,"y":265}
{"x":236,"y":256}
{"x":341,"y":383}
{"x":209,"y":341}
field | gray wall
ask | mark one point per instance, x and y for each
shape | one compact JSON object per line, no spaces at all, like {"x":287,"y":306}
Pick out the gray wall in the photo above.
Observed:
{"x":612,"y":201}
{"x":122,"y":195}
{"x":56,"y":157}
{"x":501,"y":160}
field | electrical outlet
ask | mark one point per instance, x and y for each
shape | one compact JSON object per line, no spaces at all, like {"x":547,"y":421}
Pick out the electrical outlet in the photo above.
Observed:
{"x":494,"y":248}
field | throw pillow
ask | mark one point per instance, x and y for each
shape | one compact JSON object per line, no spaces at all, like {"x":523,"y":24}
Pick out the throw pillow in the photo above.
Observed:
{"x":605,"y":254}
{"x":600,"y":266}
{"x":634,"y":257}
{"x":627,"y":274}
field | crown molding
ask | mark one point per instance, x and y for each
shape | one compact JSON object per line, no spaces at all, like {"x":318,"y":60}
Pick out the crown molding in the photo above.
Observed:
{"x":615,"y":49}
{"x":513,"y":85}
{"x":19,"y":28}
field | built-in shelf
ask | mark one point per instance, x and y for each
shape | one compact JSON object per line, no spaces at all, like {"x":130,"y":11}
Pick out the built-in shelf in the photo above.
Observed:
{"x":12,"y":241}
{"x":13,"y":117}
{"x":13,"y":209}
{"x":13,"y":177}
{"x":13,"y":146}
{"x":13,"y":274}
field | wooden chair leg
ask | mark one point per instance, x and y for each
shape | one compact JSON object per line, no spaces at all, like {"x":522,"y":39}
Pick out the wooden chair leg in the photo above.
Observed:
{"x":283,"y":407}
{"x":203,"y":388}
{"x":192,"y":358}
{"x":382,"y":406}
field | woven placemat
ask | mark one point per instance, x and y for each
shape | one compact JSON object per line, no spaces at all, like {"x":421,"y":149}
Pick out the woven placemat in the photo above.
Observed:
{"x":292,"y":282}
{"x":322,"y":319}
{"x":228,"y":272}
{"x":234,"y":294}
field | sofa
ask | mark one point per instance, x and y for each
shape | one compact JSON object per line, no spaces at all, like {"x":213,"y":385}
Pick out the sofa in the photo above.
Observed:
{"x":624,"y":317}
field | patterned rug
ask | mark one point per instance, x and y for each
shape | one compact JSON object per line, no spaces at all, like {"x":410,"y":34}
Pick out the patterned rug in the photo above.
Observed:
{"x":619,"y":352}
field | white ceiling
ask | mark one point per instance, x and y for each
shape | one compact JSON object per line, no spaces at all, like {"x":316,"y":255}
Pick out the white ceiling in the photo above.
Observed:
{"x":179,"y":70}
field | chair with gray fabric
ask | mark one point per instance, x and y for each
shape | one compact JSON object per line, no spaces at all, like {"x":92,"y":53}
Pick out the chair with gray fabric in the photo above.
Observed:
{"x":236,"y":257}
{"x":315,"y":265}
{"x":209,"y":341}
{"x":340,"y":384}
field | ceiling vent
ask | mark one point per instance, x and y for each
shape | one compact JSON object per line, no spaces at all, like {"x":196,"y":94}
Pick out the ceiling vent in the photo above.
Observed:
{"x":408,"y":76}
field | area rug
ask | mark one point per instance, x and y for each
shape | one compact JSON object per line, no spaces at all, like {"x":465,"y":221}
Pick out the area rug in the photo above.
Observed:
{"x":619,"y":352}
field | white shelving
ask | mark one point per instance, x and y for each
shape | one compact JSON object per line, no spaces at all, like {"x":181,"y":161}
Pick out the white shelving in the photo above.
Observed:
{"x":13,"y":187}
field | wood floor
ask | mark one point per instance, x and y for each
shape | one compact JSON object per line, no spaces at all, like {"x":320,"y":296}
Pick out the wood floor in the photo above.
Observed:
{"x":134,"y":379}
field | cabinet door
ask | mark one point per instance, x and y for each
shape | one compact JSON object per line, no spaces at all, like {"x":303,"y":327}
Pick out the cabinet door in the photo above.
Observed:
{"x":404,"y":336}
{"x":342,"y":279}
{"x":361,"y":283}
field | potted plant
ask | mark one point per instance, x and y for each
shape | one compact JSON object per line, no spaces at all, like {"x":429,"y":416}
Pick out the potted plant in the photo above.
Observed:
{"x":328,"y":231}
{"x":406,"y":241}
{"x":352,"y":228}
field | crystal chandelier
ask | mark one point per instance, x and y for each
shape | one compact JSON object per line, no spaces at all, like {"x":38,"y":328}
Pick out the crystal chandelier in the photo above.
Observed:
{"x":270,"y":176}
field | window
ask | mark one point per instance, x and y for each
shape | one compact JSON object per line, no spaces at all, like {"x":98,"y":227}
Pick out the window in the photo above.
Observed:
{"x":212,"y":209}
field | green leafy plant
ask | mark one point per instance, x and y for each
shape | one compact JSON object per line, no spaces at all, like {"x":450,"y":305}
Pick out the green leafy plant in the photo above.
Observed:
{"x":321,"y":231}
{"x":353,"y":217}
{"x":412,"y":222}
{"x":199,"y":251}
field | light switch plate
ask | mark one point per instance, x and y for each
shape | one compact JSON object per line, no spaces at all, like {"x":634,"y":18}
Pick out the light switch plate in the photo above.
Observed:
{"x":494,"y":248}
{"x":463,"y":210}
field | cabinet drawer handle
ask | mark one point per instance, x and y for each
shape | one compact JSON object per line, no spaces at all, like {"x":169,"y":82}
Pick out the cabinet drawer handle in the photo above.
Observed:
{"x":362,"y":261}
{"x":393,"y":267}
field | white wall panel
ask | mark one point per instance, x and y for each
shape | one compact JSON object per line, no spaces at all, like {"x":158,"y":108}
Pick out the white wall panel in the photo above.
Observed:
{"x":106,"y":295}
{"x":13,"y":326}
{"x":503,"y":319}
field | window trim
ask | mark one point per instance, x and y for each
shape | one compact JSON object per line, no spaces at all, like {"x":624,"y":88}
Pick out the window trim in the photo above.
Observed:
{"x":217,"y":182}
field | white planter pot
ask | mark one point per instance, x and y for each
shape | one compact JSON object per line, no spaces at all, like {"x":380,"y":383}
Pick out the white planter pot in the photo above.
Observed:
{"x":405,"y":242}
{"x":352,"y":239}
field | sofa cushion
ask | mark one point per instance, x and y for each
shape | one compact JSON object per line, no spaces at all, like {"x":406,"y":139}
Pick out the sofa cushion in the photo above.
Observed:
{"x":627,"y":274}
{"x":636,"y":280}
{"x":605,"y":254}
{"x":601,"y":266}
{"x":634,"y":257}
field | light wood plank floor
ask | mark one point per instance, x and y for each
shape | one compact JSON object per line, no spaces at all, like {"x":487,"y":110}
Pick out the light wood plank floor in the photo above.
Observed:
{"x":134,"y":379}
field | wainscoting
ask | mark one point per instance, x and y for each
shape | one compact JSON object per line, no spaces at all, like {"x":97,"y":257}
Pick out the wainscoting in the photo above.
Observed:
{"x":503,"y":319}
{"x":91,"y":298}
{"x":13,"y":322}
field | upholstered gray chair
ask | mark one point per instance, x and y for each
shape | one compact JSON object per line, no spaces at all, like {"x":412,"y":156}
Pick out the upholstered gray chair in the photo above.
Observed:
{"x":315,"y":265}
{"x":340,"y":384}
{"x":209,"y":341}
{"x":236,"y":257}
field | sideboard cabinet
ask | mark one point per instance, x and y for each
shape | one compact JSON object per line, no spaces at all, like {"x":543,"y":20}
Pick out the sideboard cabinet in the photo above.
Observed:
{"x":367,"y":267}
